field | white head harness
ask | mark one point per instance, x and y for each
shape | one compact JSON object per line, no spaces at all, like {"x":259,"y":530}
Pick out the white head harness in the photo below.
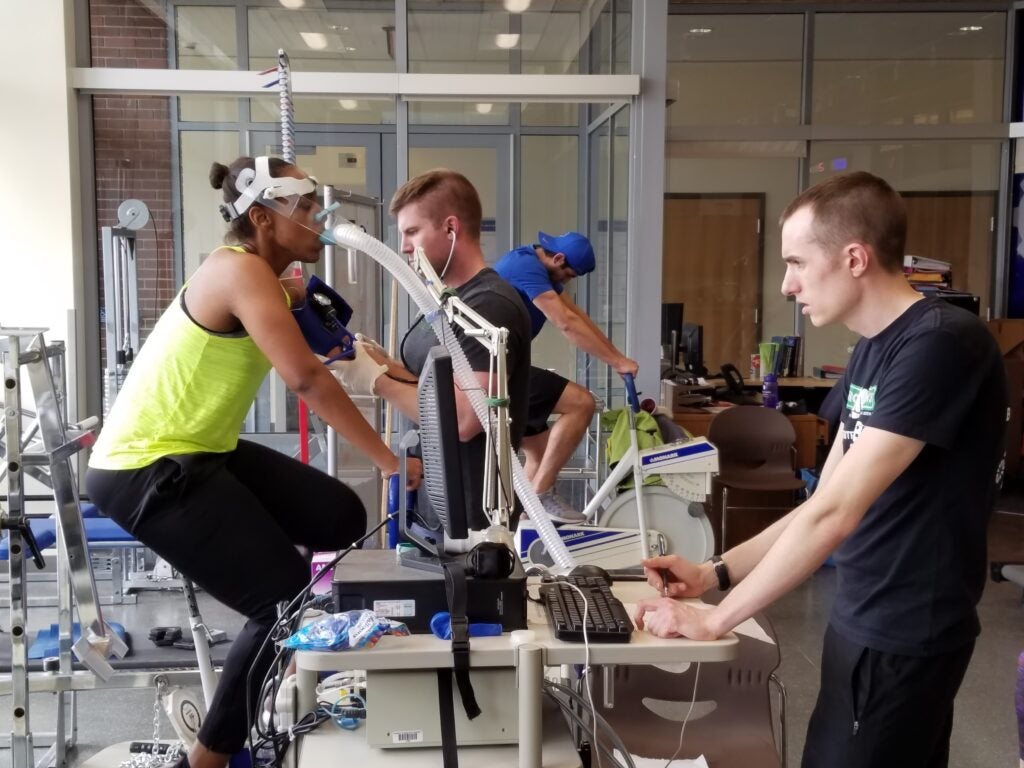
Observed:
{"x":257,"y":185}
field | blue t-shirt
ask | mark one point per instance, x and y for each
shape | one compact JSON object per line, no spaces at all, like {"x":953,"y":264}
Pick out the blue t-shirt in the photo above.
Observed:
{"x":523,"y":268}
{"x":910,"y":575}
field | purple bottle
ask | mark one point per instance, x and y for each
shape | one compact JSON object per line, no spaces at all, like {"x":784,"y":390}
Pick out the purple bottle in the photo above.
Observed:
{"x":770,"y":391}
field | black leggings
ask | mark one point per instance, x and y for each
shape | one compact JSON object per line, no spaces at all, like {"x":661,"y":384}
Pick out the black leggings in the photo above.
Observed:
{"x":230,"y":523}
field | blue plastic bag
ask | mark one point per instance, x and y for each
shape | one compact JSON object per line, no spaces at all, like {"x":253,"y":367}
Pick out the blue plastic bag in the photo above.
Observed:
{"x":344,"y":631}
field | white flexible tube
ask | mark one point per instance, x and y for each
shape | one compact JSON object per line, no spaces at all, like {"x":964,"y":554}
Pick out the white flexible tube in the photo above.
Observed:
{"x":348,"y":235}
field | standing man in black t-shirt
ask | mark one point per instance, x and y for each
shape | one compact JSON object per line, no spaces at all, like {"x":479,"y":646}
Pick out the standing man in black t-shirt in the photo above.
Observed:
{"x":440,"y":212}
{"x":903,"y":501}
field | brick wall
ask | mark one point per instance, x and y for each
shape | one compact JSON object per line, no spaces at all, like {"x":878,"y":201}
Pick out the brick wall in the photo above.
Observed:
{"x":133,"y":145}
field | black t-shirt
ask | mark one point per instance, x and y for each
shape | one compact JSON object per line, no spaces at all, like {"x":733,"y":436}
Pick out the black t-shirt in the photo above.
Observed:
{"x":911,"y":574}
{"x":499,"y":303}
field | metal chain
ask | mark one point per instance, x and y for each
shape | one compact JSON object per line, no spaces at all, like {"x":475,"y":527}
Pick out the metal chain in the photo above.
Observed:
{"x":153,"y":759}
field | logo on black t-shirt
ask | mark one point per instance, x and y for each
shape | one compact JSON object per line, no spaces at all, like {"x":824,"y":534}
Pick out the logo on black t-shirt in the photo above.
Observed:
{"x":860,"y":401}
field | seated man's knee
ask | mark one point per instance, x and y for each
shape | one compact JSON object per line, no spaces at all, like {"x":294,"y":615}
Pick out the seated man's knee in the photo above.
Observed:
{"x":583,"y":400}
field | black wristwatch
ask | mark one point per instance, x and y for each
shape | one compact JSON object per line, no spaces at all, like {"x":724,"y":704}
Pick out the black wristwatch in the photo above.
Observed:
{"x":721,"y":571}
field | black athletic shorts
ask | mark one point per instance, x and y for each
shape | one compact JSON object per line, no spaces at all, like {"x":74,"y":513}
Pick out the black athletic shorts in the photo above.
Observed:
{"x":545,"y":389}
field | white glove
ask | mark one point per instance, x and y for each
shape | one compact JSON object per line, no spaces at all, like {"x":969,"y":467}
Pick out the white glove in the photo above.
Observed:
{"x":358,"y":375}
{"x":371,"y":344}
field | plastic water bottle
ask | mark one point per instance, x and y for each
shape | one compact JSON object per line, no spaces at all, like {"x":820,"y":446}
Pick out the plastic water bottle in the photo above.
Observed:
{"x":770,"y":391}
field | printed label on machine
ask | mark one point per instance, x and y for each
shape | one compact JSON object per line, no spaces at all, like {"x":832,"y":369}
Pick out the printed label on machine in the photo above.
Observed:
{"x":607,"y":547}
{"x":394,"y":608}
{"x":406,"y":737}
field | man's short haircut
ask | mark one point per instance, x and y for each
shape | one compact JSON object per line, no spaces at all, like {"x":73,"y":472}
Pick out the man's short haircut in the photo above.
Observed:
{"x":441,"y":193}
{"x":856,"y":207}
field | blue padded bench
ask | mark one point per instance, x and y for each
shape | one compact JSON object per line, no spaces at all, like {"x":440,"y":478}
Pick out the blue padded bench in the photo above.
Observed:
{"x":101,"y":533}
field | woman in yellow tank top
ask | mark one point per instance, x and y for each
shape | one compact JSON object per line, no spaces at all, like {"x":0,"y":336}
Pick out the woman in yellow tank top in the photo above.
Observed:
{"x":169,"y":467}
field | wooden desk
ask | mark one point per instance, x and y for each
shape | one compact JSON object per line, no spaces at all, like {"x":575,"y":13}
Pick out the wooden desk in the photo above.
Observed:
{"x":811,"y":431}
{"x":807,"y":382}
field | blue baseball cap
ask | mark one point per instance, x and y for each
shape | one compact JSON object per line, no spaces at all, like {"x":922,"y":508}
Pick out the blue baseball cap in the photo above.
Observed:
{"x":579,"y":253}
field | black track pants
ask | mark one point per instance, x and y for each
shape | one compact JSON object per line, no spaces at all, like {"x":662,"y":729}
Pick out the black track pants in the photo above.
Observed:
{"x":880,"y":709}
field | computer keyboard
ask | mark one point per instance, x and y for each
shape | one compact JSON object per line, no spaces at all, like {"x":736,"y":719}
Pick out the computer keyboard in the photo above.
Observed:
{"x":607,"y":620}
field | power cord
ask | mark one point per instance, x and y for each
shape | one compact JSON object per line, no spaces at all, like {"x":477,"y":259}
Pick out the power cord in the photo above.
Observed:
{"x":586,"y":662}
{"x":278,"y":632}
{"x":558,"y":692}
{"x":686,"y":718}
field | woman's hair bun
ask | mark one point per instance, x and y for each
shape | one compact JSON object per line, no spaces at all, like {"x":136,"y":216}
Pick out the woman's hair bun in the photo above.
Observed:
{"x":218,"y":172}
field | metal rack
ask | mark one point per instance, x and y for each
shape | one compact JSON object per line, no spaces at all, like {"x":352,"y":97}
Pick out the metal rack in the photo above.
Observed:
{"x":44,"y":452}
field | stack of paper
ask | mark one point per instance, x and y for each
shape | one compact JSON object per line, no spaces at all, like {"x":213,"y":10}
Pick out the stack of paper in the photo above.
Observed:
{"x":927,"y":274}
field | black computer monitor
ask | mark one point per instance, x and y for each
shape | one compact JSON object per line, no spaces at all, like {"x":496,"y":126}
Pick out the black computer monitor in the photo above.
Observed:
{"x":672,"y":331}
{"x":443,"y":481}
{"x":693,"y":348}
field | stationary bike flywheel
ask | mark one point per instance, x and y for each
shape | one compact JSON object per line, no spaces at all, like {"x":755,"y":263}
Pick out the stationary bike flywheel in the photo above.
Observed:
{"x":683,"y":524}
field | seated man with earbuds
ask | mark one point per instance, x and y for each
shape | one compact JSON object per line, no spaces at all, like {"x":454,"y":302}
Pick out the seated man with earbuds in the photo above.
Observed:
{"x":440,"y":212}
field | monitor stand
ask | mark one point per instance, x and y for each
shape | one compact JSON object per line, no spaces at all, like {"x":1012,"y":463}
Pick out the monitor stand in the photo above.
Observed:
{"x":428,"y":555}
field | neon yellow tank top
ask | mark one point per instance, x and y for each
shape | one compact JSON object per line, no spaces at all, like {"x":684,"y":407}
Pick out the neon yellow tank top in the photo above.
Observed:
{"x":187,"y":392}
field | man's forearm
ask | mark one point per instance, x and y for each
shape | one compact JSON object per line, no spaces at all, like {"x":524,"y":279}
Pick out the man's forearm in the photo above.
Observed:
{"x":590,"y":339}
{"x":401,"y":395}
{"x":800,"y":547}
{"x":613,"y":351}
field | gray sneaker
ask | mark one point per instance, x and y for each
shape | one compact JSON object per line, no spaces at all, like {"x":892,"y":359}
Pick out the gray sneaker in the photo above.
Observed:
{"x":558,"y":509}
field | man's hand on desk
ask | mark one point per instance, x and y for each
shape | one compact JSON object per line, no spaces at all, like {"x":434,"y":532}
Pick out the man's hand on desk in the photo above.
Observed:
{"x":665,"y":617}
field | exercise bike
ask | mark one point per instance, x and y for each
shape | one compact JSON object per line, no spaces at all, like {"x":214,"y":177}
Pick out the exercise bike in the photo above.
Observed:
{"x":645,"y":520}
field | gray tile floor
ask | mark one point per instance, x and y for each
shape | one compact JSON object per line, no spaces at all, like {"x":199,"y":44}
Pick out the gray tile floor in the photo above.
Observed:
{"x":984,"y":735}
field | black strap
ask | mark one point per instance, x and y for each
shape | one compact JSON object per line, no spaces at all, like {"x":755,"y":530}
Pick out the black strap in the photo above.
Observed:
{"x":446,"y":709}
{"x":456,"y":590}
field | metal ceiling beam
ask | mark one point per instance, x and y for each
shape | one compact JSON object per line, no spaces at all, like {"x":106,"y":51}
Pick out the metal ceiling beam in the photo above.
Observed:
{"x":408,"y":86}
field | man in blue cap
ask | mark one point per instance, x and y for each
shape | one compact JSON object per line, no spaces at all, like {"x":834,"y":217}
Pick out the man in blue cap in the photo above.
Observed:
{"x":540,"y":273}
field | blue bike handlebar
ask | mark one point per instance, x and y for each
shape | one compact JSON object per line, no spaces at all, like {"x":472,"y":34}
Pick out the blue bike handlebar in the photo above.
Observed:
{"x":631,"y":397}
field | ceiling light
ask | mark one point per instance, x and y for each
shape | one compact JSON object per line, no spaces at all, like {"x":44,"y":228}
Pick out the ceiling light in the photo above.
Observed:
{"x":971,"y":28}
{"x":336,"y":27}
{"x":349,"y":49}
{"x":292,"y":4}
{"x":315,"y":40}
{"x":701,"y":31}
{"x":348,"y":104}
{"x":517,"y":6}
{"x":484,"y":108}
{"x":506,"y":40}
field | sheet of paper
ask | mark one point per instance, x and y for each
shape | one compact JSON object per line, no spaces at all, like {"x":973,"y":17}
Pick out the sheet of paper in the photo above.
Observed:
{"x":647,"y":762}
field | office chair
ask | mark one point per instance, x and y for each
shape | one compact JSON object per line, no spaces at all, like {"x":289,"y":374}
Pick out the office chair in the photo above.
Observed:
{"x":756,"y":452}
{"x":731,"y":723}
